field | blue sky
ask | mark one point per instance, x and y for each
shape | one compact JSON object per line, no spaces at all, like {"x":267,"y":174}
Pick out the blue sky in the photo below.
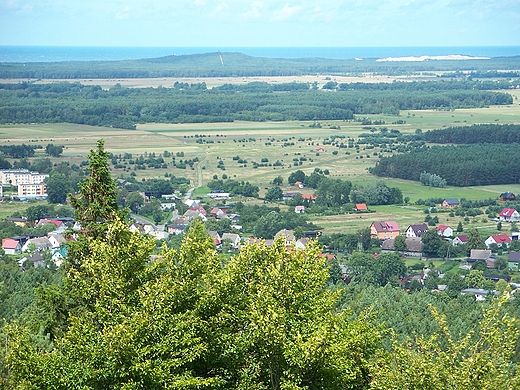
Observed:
{"x":233,"y":23}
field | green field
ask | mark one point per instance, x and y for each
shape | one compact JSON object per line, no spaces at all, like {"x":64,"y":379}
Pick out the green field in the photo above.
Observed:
{"x":278,"y":142}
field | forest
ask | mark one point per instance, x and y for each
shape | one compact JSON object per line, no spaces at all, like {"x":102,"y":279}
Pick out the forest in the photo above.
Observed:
{"x":125,"y":107}
{"x":114,"y":317}
{"x":241,"y":65}
{"x":467,"y":165}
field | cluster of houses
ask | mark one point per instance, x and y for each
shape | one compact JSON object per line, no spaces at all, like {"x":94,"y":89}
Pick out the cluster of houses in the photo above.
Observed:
{"x":30,"y":184}
{"x":35,"y":244}
{"x":387,"y":231}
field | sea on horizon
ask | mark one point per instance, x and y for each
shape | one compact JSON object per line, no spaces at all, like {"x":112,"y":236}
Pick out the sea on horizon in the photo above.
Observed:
{"x":108,"y":53}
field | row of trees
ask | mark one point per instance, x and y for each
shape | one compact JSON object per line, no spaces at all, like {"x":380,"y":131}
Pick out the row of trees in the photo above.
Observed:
{"x":125,"y":107}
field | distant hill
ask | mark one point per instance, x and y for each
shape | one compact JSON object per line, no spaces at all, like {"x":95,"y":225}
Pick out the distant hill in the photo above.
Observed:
{"x":239,"y":65}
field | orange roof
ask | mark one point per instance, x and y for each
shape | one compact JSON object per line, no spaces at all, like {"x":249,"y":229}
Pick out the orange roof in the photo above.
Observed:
{"x":361,"y":206}
{"x":309,"y":197}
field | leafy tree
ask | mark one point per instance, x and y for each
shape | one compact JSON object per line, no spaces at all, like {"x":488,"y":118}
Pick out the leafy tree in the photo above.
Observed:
{"x":460,"y":229}
{"x":298,"y":175}
{"x":58,"y":187}
{"x":514,"y":227}
{"x":400,"y":243}
{"x":501,"y":263}
{"x":499,"y":226}
{"x":54,"y":150}
{"x":134,"y":201}
{"x":474,"y":240}
{"x":433,"y":244}
{"x":273,"y":194}
{"x":278,"y":181}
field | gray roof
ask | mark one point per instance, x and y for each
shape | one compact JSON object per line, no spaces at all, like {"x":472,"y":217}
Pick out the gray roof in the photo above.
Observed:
{"x":480,"y":254}
{"x":514,"y":257}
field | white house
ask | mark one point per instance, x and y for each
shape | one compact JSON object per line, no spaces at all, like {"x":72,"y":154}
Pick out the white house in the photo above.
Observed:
{"x":459,"y":240}
{"x":416,"y":230}
{"x":509,"y":215}
{"x":502,"y":240}
{"x":10,"y":246}
{"x":444,"y":231}
{"x":234,"y":238}
{"x":39,"y":244}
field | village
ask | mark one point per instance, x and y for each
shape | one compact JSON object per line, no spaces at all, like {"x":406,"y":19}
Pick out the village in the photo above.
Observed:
{"x":413,"y":242}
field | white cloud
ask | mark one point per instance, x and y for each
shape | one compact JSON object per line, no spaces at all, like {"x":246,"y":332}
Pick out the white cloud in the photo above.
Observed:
{"x":286,"y":12}
{"x":200,"y":3}
{"x":124,"y":14}
{"x":221,"y":7}
{"x":255,"y":11}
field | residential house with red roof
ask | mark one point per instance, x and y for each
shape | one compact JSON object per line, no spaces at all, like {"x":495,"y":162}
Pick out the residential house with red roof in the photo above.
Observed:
{"x":450,"y":203}
{"x":460,"y":240}
{"x":502,"y":240}
{"x":309,"y":197}
{"x":444,"y":231}
{"x":509,"y":215}
{"x":384,"y":230}
{"x":360,"y":207}
{"x":10,"y":246}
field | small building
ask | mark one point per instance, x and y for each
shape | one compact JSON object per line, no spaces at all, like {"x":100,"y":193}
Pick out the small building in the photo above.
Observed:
{"x":309,"y":197}
{"x":479,"y":255}
{"x":10,"y":246}
{"x":479,"y":293}
{"x":444,"y":231}
{"x":463,"y":239}
{"x":509,"y":215}
{"x":384,"y":230}
{"x":450,"y":203}
{"x":32,"y":191}
{"x":299,"y":209}
{"x":35,"y":258}
{"x":17,"y":221}
{"x":37,"y":244}
{"x":216,"y":237}
{"x":507,"y":196}
{"x":502,"y":240}
{"x":299,"y":184}
{"x":414,"y":246}
{"x":60,"y":225}
{"x":301,"y":243}
{"x":416,"y":230}
{"x":177,"y":228}
{"x":360,"y":207}
{"x":288,"y":235}
{"x":233,"y":237}
{"x":513,"y":261}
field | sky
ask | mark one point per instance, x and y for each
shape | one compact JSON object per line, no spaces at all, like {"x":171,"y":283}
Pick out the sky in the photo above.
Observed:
{"x":267,"y":23}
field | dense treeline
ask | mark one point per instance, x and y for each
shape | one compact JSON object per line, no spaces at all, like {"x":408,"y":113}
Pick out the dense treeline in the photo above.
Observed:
{"x":471,"y":165}
{"x":237,"y":65}
{"x":475,"y":134}
{"x":429,"y":86}
{"x":125,"y":107}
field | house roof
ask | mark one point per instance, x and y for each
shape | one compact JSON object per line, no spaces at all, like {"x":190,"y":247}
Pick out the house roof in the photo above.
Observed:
{"x":40,"y":242}
{"x":441,"y":228}
{"x":309,"y":197}
{"x":230,"y":236}
{"x":56,"y":222}
{"x":413,"y":244}
{"x":419,"y":229}
{"x":501,"y":238}
{"x":514,"y":257}
{"x":507,"y":195}
{"x":452,"y":201}
{"x":507,"y":212}
{"x":463,"y":238}
{"x":361,"y":207}
{"x":385,"y":226}
{"x":9,"y":243}
{"x":299,"y":208}
{"x":480,"y":254}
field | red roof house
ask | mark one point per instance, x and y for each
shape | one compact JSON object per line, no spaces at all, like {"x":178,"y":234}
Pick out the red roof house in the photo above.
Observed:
{"x":509,"y":215}
{"x":502,"y":240}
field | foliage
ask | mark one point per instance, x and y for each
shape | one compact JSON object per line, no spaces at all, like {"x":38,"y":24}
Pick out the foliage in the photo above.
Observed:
{"x":475,"y":134}
{"x":376,"y":194}
{"x":481,"y":360}
{"x":431,"y":180}
{"x":273,"y":194}
{"x":458,"y":165}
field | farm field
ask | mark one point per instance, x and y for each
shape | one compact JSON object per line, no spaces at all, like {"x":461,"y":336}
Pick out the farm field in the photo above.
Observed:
{"x":279,"y":148}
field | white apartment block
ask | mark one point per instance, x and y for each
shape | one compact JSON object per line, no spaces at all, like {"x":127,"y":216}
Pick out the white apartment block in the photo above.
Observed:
{"x":16,"y":177}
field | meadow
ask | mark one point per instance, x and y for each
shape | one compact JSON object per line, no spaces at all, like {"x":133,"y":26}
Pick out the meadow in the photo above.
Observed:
{"x":278,"y":148}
